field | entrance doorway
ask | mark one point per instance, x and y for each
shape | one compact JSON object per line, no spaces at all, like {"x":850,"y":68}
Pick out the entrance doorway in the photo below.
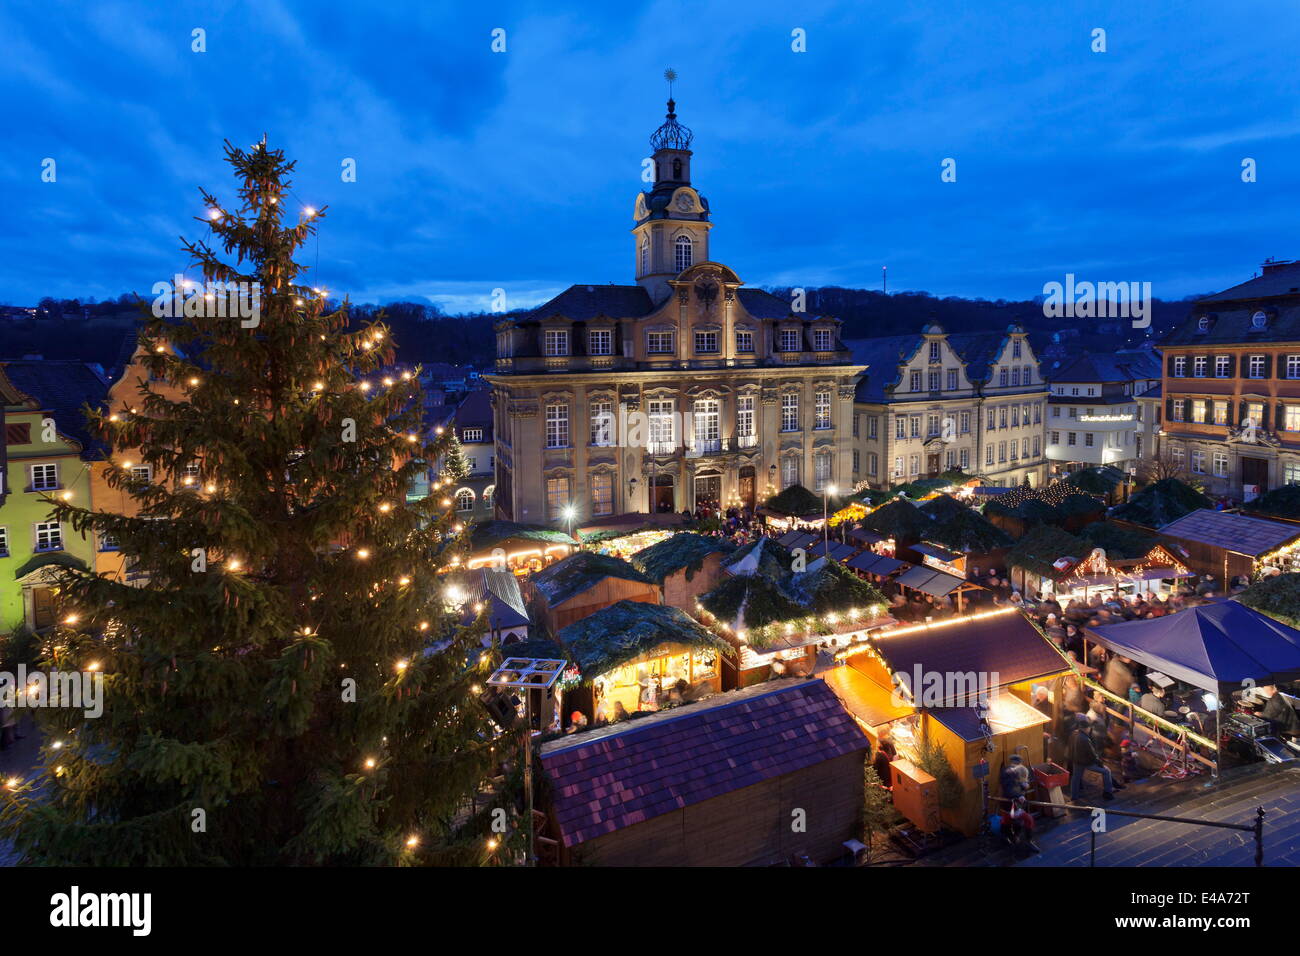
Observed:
{"x":748,"y":487}
{"x":708,"y":491}
{"x":42,"y":608}
{"x":932,"y":465}
{"x":1254,"y":471}
{"x":664,"y":501}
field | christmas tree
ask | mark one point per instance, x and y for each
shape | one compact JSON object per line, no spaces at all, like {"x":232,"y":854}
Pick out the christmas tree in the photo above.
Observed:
{"x":285,"y":681}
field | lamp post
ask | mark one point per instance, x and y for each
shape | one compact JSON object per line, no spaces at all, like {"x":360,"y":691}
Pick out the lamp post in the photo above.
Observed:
{"x":569,"y":512}
{"x":827,"y":491}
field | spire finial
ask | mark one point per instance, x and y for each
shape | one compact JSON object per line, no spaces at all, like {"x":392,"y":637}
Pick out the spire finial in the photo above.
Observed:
{"x":671,"y":134}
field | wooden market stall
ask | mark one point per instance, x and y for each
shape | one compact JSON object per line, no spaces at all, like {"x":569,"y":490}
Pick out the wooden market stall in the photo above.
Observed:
{"x":623,"y":795}
{"x":583,"y":584}
{"x":642,"y":657}
{"x":948,"y":675}
{"x":521,"y":548}
{"x":1229,"y":545}
{"x":684,"y":566}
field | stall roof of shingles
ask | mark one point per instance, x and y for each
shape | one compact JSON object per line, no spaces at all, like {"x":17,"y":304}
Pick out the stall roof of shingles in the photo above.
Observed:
{"x":581,"y":571}
{"x":1236,"y":533}
{"x":615,"y":777}
{"x":1002,"y":643}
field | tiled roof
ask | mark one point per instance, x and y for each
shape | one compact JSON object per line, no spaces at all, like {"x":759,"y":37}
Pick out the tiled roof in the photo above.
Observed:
{"x":476,"y":411}
{"x":1235,"y":533}
{"x":1005,"y":644}
{"x":619,"y":776}
{"x":582,"y":302}
{"x":882,"y":357}
{"x":1123,"y":366}
{"x":763,"y":305}
{"x":62,"y":387}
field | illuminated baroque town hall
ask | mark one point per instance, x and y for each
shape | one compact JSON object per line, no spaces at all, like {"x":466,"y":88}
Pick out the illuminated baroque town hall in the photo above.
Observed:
{"x":740,"y":394}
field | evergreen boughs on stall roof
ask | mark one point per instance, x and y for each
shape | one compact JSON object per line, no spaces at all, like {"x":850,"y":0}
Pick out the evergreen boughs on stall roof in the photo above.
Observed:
{"x":1278,"y":597}
{"x":798,"y":502}
{"x":681,"y":551}
{"x":1158,"y":504}
{"x":1283,"y":502}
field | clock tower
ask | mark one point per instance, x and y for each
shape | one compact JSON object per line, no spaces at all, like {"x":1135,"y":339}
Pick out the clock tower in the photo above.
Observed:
{"x":672,"y":219}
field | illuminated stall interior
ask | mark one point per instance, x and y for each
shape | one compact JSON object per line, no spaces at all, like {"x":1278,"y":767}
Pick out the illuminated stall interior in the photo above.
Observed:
{"x":521,"y":548}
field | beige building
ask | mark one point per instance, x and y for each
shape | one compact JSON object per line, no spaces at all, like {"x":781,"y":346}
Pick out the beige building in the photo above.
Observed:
{"x":934,"y":402}
{"x":683,"y":390}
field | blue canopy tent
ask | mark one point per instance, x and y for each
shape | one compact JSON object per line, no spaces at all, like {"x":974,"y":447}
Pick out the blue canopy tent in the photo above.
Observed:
{"x":1213,"y":646}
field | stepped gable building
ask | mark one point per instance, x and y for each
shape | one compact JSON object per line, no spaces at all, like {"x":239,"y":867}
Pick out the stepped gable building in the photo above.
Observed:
{"x":935,"y":401}
{"x":682,"y":390}
{"x":1231,"y":386}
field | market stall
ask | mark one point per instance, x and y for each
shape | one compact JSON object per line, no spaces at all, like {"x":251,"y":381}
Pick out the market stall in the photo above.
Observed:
{"x":1231,"y":545}
{"x":521,"y":548}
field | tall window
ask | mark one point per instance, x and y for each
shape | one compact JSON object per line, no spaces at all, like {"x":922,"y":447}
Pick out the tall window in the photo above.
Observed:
{"x":1198,"y":366}
{"x":1292,"y":418}
{"x":1256,"y":366}
{"x":789,"y":412}
{"x":708,"y":433}
{"x":823,"y":410}
{"x":602,"y":424}
{"x":556,"y":342}
{"x":45,"y":477}
{"x":1178,"y":409}
{"x":1015,"y":350}
{"x":789,"y":471}
{"x":900,"y":427}
{"x":952,"y":378}
{"x":821,"y":470}
{"x":1198,"y":461}
{"x":663,"y":439}
{"x":1293,"y":366}
{"x":1221,"y":363}
{"x":685,"y":250}
{"x":1198,"y":410}
{"x":1221,"y":464}
{"x":600,"y":342}
{"x":965,"y":458}
{"x":745,"y":421}
{"x":744,"y":340}
{"x":1002,"y":376}
{"x":49,"y":536}
{"x":602,"y":493}
{"x":557,"y":426}
{"x":964,"y":423}
{"x":934,"y":381}
{"x":936,"y":354}
{"x":557,"y":497}
{"x":1180,"y":366}
{"x":645,"y":255}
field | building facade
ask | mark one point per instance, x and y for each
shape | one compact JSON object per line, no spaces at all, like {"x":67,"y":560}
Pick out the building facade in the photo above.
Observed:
{"x":473,"y":424}
{"x":682,"y":391}
{"x":935,"y":402}
{"x":1231,"y":387}
{"x":1094,"y":416}
{"x":47,"y":455}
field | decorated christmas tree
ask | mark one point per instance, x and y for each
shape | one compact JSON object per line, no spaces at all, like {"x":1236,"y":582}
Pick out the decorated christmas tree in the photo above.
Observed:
{"x":285,"y":681}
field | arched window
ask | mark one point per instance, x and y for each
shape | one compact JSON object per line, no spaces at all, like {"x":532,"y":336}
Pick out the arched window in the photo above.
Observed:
{"x":488,"y":492}
{"x":465,"y":500}
{"x":645,"y":255}
{"x":685,"y":252}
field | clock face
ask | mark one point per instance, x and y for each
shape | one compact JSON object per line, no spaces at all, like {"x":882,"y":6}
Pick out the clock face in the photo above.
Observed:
{"x":685,"y":202}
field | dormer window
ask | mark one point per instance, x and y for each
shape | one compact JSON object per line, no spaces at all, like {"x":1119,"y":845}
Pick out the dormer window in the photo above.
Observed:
{"x":685,"y":250}
{"x":788,"y":340}
{"x":1015,"y":349}
{"x":1203,"y":324}
{"x":822,"y":340}
{"x":1259,"y":320}
{"x":600,"y":342}
{"x":556,"y":342}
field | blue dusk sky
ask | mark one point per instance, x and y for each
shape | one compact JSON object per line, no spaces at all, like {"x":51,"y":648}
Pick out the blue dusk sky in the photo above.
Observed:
{"x":478,"y":170}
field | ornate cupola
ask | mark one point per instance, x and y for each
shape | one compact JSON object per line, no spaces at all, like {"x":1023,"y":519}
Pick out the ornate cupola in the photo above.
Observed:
{"x":672,"y":219}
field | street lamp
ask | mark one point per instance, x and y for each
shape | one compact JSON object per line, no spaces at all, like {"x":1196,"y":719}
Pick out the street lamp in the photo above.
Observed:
{"x":569,"y":513}
{"x":827,"y":491}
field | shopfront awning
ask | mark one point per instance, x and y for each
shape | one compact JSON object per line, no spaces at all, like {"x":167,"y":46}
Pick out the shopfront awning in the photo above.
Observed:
{"x":873,"y":563}
{"x":929,"y":581}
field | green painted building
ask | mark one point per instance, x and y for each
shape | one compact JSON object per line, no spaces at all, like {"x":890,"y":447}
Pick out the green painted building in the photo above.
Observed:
{"x":47,"y":452}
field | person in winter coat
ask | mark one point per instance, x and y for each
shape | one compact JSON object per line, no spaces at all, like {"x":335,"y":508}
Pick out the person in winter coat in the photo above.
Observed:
{"x":1084,"y":759}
